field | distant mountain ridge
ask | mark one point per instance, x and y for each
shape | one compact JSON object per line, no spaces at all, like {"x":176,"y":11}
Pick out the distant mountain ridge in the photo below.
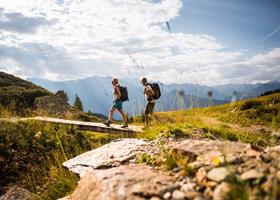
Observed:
{"x":96,"y":93}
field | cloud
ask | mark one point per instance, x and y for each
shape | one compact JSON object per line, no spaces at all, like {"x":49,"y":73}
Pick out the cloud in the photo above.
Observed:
{"x":17,"y":22}
{"x":259,"y":68}
{"x":74,"y":39}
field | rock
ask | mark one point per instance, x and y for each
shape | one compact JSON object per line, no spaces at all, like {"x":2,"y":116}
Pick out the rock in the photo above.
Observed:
{"x":209,"y":151}
{"x":211,"y":184}
{"x":192,"y":194}
{"x":208,"y":193}
{"x":64,"y":198}
{"x":188,"y":187}
{"x":167,"y":195}
{"x":129,"y":182}
{"x":178,"y":195}
{"x":218,"y":174}
{"x":17,"y":193}
{"x":176,"y":169}
{"x":198,"y":198}
{"x":52,"y":104}
{"x":201,"y":176}
{"x":251,"y":174}
{"x":109,"y":155}
{"x":273,"y":152}
{"x":221,"y":191}
{"x":155,"y":198}
{"x":268,"y":184}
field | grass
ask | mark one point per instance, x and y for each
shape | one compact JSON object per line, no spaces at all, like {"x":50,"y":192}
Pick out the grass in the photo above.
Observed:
{"x":251,"y":121}
{"x":32,"y":154}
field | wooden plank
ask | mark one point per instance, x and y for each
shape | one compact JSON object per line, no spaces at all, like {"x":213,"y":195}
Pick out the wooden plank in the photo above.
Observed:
{"x":90,"y":126}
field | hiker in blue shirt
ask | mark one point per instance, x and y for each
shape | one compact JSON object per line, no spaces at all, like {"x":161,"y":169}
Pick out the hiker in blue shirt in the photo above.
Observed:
{"x":117,"y":104}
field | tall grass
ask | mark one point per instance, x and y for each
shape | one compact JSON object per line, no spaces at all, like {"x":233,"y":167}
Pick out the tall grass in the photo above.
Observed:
{"x":32,"y":154}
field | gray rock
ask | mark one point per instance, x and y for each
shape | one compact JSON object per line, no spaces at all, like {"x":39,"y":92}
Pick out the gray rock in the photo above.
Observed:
{"x":251,"y":174}
{"x":188,"y":187}
{"x":273,"y":152}
{"x":167,"y":195}
{"x":17,"y":193}
{"x":178,"y":195}
{"x":218,"y":174}
{"x":207,"y":152}
{"x":109,"y":155}
{"x":192,"y":194}
{"x":129,"y":182}
{"x":155,"y":198}
{"x":221,"y":191}
{"x":53,"y":105}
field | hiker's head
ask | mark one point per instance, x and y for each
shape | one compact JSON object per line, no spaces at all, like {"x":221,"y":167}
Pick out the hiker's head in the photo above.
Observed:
{"x":144,"y":81}
{"x":115,"y":81}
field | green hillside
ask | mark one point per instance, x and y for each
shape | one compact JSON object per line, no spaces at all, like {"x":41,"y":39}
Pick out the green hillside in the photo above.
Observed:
{"x":254,"y":121}
{"x":32,"y":153}
{"x":17,"y":95}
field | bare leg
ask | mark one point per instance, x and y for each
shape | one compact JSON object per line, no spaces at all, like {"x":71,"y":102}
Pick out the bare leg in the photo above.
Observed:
{"x":123,"y":114}
{"x":111,"y":114}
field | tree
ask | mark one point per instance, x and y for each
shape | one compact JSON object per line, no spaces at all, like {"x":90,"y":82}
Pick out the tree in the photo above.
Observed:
{"x":78,"y":103}
{"x":62,"y":94}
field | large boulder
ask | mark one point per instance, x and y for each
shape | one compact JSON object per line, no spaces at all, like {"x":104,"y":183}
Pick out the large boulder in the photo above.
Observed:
{"x":52,"y":105}
{"x":17,"y":193}
{"x":129,"y":182}
{"x":110,"y":155}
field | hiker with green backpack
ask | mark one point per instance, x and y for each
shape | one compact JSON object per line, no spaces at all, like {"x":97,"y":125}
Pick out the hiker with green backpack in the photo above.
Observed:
{"x":152,"y":93}
{"x":120,"y":95}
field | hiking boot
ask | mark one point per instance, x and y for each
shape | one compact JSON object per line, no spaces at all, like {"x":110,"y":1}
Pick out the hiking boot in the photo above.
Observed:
{"x":107,"y":123}
{"x":125,"y":125}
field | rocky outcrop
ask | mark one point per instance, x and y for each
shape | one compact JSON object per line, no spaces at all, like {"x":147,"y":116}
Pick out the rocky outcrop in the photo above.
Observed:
{"x":51,"y":105}
{"x":129,"y":182}
{"x":17,"y":193}
{"x":222,"y":170}
{"x":210,"y":152}
{"x":107,"y":156}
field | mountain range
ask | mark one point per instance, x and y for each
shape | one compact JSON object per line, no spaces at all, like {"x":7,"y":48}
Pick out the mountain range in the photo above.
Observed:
{"x":96,"y":93}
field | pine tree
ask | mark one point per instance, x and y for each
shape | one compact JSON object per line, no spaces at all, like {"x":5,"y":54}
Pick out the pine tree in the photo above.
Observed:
{"x":62,"y":94}
{"x":78,"y":103}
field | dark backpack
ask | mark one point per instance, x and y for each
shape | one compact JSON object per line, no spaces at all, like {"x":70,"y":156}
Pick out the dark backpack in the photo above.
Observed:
{"x":124,"y":93}
{"x":156,"y":89}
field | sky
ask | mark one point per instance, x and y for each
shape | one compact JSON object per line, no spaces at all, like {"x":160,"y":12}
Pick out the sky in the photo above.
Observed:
{"x":206,"y":42}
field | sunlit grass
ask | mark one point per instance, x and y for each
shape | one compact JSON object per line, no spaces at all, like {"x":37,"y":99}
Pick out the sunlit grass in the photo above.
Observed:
{"x":234,"y":122}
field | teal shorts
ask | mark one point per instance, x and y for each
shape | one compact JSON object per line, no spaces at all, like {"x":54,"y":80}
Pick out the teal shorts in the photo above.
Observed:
{"x":118,"y":105}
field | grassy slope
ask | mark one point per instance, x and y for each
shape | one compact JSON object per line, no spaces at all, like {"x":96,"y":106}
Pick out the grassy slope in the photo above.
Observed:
{"x":32,"y":153}
{"x":17,"y":96}
{"x":252,"y":121}
{"x":255,"y":121}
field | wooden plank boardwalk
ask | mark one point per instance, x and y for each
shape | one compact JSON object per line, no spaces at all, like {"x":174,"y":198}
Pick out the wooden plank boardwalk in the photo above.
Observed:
{"x":81,"y":125}
{"x":90,"y":126}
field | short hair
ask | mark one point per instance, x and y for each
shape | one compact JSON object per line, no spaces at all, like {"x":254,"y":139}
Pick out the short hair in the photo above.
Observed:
{"x":115,"y":80}
{"x":143,"y":79}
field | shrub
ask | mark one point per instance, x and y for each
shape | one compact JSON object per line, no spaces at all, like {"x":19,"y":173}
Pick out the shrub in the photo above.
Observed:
{"x":250,"y":104}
